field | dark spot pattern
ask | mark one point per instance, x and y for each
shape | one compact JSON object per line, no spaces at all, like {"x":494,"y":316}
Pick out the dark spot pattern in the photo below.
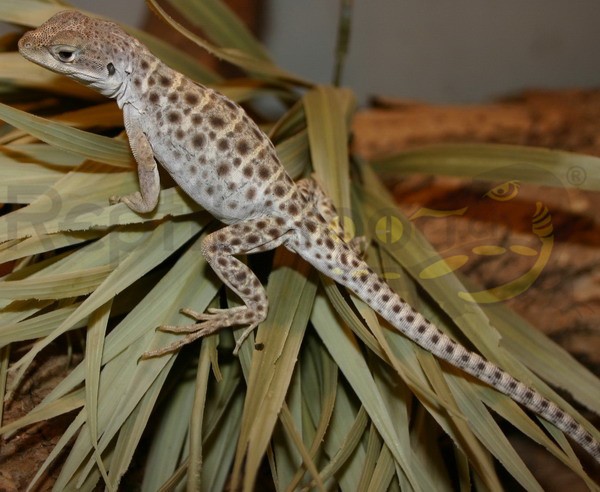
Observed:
{"x":273,"y":233}
{"x":191,"y":98}
{"x":242,"y":147}
{"x":263,"y":172}
{"x":223,"y":144}
{"x":312,"y":228}
{"x":199,"y":141}
{"x":223,"y":169}
{"x":216,"y":122}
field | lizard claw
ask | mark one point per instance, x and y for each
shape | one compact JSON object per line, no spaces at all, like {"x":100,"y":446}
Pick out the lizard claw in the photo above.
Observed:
{"x":239,"y":342}
{"x":208,"y":323}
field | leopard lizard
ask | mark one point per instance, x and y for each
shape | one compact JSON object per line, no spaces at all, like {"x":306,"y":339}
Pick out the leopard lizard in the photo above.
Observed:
{"x":224,"y":162}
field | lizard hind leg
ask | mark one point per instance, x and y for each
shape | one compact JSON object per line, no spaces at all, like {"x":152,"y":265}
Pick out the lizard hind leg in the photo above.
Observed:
{"x":219,"y":249}
{"x":313,"y":192}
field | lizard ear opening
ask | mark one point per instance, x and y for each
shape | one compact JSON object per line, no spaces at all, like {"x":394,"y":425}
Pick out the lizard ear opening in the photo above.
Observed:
{"x":111,"y":69}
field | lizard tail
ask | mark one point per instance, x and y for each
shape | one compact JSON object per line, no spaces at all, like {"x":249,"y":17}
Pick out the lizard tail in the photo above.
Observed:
{"x":339,"y":261}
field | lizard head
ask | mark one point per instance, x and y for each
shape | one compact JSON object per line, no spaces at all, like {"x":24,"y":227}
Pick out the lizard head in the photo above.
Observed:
{"x":91,"y":51}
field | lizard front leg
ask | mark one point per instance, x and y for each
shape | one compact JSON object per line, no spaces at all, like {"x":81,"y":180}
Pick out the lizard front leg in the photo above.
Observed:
{"x":145,"y":200}
{"x":219,"y":249}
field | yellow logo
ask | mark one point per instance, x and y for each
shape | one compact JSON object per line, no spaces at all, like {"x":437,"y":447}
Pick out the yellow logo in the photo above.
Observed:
{"x":535,"y":258}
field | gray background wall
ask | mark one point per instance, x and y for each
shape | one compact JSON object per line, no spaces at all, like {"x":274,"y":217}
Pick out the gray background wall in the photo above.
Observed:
{"x":435,"y":50}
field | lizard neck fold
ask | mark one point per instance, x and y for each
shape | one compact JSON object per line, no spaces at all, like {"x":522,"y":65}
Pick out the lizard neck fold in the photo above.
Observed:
{"x":122,"y":70}
{"x":122,"y":94}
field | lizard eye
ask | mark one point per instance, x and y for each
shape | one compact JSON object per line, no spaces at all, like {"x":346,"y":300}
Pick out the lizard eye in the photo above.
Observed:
{"x":65,"y":54}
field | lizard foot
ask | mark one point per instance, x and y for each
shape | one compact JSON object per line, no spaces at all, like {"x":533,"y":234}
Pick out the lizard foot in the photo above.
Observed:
{"x":210,"y":322}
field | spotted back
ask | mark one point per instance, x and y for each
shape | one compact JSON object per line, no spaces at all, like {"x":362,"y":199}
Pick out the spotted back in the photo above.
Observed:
{"x":208,"y":144}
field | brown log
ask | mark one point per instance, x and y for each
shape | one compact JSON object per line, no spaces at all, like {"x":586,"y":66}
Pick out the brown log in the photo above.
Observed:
{"x":567,"y":120}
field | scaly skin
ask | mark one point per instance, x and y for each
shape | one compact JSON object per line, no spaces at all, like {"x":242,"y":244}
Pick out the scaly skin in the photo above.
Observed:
{"x":223,"y":161}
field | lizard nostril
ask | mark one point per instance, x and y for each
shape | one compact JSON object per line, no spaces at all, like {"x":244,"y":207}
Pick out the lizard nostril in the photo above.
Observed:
{"x":24,"y":42}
